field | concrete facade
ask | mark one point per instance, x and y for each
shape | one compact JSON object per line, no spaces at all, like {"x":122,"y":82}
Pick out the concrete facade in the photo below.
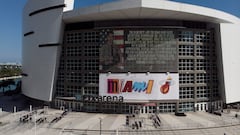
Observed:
{"x":41,"y":28}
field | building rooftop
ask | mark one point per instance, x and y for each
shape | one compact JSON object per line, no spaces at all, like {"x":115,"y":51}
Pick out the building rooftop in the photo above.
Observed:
{"x":148,"y":9}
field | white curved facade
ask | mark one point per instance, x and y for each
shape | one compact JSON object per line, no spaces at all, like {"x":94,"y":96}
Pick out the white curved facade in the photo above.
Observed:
{"x":230,"y":59}
{"x":40,"y":64}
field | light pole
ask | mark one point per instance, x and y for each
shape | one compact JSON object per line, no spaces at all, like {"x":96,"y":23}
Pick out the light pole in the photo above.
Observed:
{"x":100,"y":125}
{"x":35,"y":124}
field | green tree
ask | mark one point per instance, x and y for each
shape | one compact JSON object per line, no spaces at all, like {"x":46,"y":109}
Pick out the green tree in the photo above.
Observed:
{"x":6,"y":72}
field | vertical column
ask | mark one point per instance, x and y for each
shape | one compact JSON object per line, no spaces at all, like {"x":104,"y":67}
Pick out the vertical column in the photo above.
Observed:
{"x":14,"y":109}
{"x":195,"y":68}
{"x":30,"y":108}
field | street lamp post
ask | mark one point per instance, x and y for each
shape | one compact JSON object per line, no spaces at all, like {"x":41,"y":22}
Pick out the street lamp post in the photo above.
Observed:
{"x":35,"y":124}
{"x":100,"y":126}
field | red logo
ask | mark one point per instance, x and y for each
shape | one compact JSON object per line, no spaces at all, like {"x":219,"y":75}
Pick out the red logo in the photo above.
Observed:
{"x":166,"y":87}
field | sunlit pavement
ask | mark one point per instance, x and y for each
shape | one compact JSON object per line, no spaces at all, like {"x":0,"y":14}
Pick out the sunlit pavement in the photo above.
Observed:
{"x":77,"y":123}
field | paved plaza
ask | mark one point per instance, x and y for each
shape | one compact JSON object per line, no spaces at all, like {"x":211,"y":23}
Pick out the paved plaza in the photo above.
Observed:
{"x":58,"y":122}
{"x":47,"y":121}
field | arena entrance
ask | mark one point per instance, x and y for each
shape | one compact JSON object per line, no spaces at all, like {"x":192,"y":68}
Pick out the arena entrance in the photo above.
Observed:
{"x":203,"y":106}
{"x":143,"y":108}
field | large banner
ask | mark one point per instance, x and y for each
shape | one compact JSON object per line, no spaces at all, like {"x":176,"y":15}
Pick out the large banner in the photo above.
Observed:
{"x":142,"y":86}
{"x":138,"y":50}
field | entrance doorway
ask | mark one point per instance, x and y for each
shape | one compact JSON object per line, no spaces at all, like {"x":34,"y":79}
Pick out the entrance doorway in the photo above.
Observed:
{"x":143,"y":108}
{"x":148,"y":109}
{"x":203,"y":106}
{"x":134,"y":109}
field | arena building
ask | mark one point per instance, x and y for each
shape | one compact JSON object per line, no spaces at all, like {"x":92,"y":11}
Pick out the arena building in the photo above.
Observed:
{"x":130,"y":56}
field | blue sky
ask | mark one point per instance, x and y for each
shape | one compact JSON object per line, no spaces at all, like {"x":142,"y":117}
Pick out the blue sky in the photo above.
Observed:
{"x":11,"y":21}
{"x":10,"y":30}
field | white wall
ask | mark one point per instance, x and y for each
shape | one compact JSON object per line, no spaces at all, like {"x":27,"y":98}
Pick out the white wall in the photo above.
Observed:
{"x":40,"y":63}
{"x":69,"y":5}
{"x":230,"y":39}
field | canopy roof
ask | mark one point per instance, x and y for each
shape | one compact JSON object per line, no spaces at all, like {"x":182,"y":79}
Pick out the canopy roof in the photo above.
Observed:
{"x":148,"y":9}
